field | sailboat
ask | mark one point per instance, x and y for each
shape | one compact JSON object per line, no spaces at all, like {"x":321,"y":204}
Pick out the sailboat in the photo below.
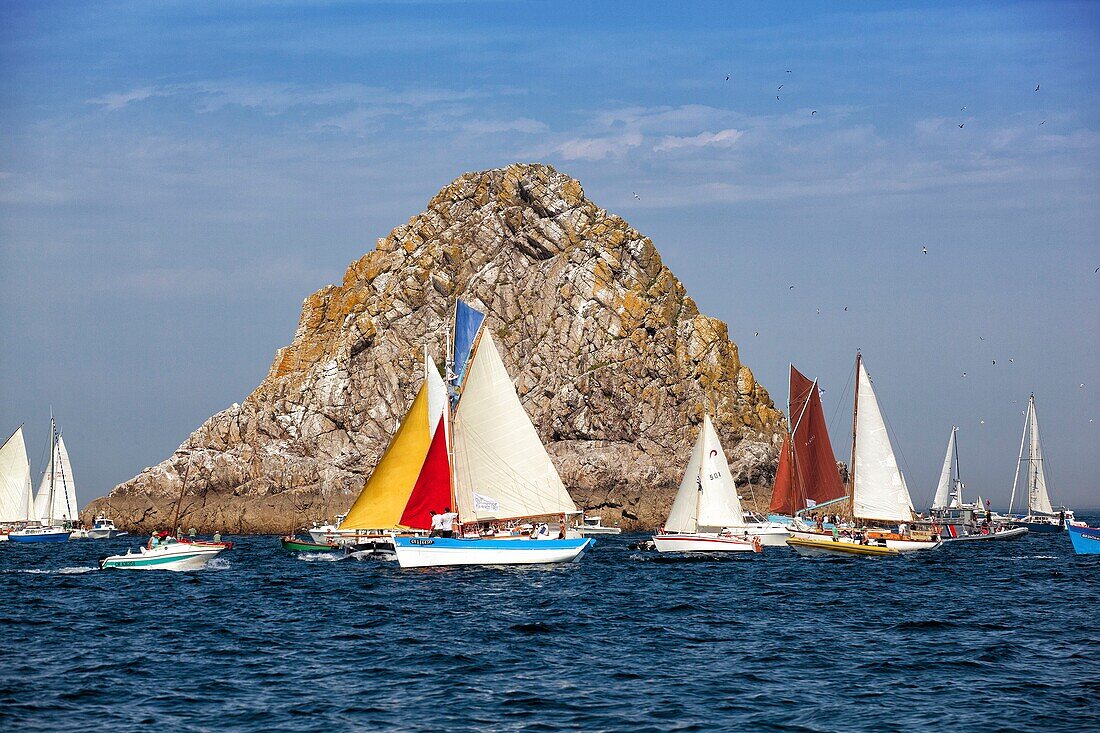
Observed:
{"x":880,"y":497}
{"x":807,"y":476}
{"x":416,"y":453}
{"x":1041,"y":515}
{"x":706,"y":515}
{"x":491,"y":465}
{"x":56,"y":499}
{"x":955,"y":520}
{"x":16,"y":496}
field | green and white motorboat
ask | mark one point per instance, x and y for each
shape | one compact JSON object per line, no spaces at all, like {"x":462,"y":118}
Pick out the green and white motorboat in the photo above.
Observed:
{"x":168,"y":555}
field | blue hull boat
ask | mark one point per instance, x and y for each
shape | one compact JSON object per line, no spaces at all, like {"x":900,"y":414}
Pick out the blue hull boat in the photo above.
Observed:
{"x":39,"y":535}
{"x":1086,"y":540}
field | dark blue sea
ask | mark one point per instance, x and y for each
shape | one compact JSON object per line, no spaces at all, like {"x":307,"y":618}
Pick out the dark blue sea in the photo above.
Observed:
{"x":1000,"y":636}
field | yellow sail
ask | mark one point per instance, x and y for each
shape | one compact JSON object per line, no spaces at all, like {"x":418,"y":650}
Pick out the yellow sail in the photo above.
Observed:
{"x":383,"y":499}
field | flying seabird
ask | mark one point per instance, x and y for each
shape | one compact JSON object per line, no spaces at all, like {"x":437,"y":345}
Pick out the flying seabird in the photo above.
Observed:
{"x":964,"y":375}
{"x":924,"y":250}
{"x":791,"y":287}
{"x":962,"y":125}
{"x":1036,"y":87}
{"x":727,"y":77}
{"x":813,"y":113}
{"x":780,"y":87}
{"x":635,"y":194}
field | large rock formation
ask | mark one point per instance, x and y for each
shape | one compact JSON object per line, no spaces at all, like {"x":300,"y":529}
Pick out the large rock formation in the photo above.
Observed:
{"x":612,"y":360}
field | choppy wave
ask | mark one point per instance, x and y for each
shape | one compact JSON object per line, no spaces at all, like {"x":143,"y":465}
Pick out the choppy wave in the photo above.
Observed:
{"x":625,"y":640}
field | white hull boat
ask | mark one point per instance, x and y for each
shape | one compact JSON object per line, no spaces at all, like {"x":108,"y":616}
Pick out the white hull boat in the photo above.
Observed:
{"x":104,"y":529}
{"x":594,"y":525}
{"x":772,"y":534}
{"x":171,"y":556}
{"x":1009,"y":533}
{"x":703,"y":542}
{"x":421,"y":552}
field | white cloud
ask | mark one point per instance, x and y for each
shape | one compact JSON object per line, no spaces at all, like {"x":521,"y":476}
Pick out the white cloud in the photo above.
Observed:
{"x":722,"y":139}
{"x":597,"y":148}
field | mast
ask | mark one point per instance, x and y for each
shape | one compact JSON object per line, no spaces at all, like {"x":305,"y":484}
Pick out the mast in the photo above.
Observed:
{"x":958,"y":476}
{"x":1020,"y":457}
{"x":183,"y":488}
{"x":53,"y":454}
{"x":855,"y":413}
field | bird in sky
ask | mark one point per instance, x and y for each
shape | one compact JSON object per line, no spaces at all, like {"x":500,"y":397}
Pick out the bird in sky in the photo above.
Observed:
{"x":791,"y":287}
{"x":994,"y":362}
{"x":727,"y":77}
{"x":845,"y":309}
{"x":813,"y":113}
{"x":982,"y":422}
{"x":962,"y":108}
{"x":1090,"y":419}
{"x":780,"y":87}
{"x":788,"y":71}
{"x":962,"y":125}
{"x":1096,"y":270}
{"x":1042,"y":123}
{"x":1036,"y":87}
{"x":635,"y":195}
{"x":819,"y":311}
{"x":981,"y":338}
{"x":924,"y":250}
{"x":756,"y":334}
{"x":1081,"y":386}
{"x":964,"y":375}
{"x":777,"y":97}
{"x":1010,"y":361}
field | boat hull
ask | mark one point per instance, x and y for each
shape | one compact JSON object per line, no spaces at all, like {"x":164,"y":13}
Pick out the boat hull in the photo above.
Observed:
{"x":1011,"y":533}
{"x":105,"y":534}
{"x":1086,"y":540}
{"x":173,"y":557}
{"x":1039,"y":527}
{"x":833,"y":548}
{"x":702,"y":543}
{"x":423,"y":552}
{"x":58,"y":535}
{"x":597,"y":530}
{"x":293,"y":544}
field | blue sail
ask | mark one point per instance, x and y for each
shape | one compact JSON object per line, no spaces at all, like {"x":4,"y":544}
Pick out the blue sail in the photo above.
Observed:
{"x":467,"y":323}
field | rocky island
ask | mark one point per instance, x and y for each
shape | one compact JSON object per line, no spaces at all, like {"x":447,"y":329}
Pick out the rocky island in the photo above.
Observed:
{"x":610,"y":356}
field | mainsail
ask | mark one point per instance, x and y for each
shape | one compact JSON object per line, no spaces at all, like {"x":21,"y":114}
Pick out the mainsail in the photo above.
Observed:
{"x":60,"y":472}
{"x":432,"y":490}
{"x":501,"y":468}
{"x":16,"y":497}
{"x":1038,"y":498}
{"x":707,"y":498}
{"x":807,"y":469}
{"x":878,"y":490}
{"x":944,"y":498}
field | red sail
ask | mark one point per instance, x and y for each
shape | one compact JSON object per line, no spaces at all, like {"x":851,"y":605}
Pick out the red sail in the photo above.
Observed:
{"x":784,"y":500}
{"x":432,"y":490}
{"x":815,"y":472}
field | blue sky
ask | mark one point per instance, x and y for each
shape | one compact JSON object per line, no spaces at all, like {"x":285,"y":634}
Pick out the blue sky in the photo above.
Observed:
{"x":176,"y":177}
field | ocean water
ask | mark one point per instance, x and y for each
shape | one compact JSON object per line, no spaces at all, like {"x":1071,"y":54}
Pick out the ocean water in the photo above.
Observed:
{"x":1000,"y":636}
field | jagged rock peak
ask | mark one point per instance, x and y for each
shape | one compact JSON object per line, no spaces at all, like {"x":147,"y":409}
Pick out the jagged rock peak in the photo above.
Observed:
{"x":611,"y":358}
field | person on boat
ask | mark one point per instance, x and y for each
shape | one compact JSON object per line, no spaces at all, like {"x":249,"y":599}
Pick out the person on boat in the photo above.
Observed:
{"x":561,"y":527}
{"x":437,"y":525}
{"x":447,"y":522}
{"x":836,"y":533}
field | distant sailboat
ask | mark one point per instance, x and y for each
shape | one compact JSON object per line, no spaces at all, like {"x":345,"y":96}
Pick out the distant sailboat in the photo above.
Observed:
{"x":499,"y":472}
{"x":56,"y":493}
{"x":949,"y":488}
{"x":1040,"y":515}
{"x":706,"y":504}
{"x":16,"y":495}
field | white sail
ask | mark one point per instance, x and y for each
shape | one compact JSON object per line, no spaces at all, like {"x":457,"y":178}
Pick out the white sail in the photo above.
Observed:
{"x":497,"y":453}
{"x":438,"y":399}
{"x":64,"y":489}
{"x":684,"y":516}
{"x":16,"y":498}
{"x":879,"y":490}
{"x":1038,"y":498}
{"x":708,"y":496}
{"x":943,"y":488}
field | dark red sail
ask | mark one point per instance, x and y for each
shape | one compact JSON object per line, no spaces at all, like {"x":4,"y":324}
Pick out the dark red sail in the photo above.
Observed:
{"x":814,"y":473}
{"x":784,"y":500}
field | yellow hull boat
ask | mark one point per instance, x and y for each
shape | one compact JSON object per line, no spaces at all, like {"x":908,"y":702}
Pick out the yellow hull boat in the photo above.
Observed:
{"x":836,"y":547}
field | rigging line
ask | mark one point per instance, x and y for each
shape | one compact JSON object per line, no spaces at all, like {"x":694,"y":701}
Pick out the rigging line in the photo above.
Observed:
{"x":836,"y":410}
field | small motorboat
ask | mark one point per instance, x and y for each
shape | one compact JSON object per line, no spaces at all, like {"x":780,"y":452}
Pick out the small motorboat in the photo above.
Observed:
{"x":168,"y":554}
{"x":705,"y":542}
{"x":1085,"y":540}
{"x":104,"y":529}
{"x":39,"y":534}
{"x":292,"y":543}
{"x":594,"y":525}
{"x":998,"y":532}
{"x":825,"y":547}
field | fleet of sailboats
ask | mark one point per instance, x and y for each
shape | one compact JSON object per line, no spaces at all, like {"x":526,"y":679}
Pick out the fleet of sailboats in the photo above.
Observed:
{"x":467,"y":442}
